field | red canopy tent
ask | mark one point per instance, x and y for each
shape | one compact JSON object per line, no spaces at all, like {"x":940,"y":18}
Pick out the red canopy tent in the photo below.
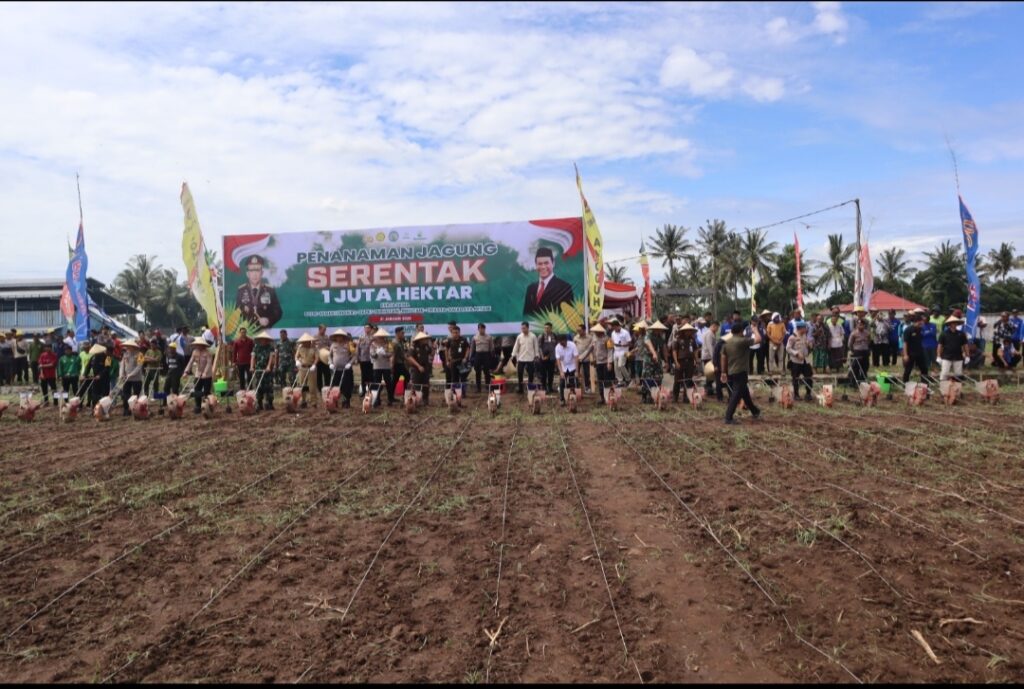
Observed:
{"x":884,"y":301}
{"x":621,"y":298}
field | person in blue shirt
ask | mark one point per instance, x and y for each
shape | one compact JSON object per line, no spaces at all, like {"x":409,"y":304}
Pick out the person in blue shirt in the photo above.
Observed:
{"x":1018,"y":328}
{"x":929,"y":340}
{"x":894,"y":337}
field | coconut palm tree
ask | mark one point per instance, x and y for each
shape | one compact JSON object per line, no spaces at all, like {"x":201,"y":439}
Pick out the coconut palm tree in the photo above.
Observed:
{"x":669,"y":244}
{"x":616,"y":274}
{"x":167,"y":299}
{"x":945,"y":275}
{"x":713,"y":241}
{"x":838,"y":268}
{"x":757,"y":254}
{"x":893,"y":265}
{"x":137,"y":282}
{"x":1002,"y":261}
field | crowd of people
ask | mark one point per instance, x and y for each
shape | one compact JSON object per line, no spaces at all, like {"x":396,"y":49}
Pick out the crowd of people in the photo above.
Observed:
{"x":614,"y":352}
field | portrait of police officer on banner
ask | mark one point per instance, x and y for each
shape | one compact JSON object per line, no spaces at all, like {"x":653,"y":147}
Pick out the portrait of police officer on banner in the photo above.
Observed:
{"x":257,"y":301}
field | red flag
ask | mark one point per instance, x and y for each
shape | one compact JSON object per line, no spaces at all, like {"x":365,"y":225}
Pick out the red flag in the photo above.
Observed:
{"x":799,"y":283}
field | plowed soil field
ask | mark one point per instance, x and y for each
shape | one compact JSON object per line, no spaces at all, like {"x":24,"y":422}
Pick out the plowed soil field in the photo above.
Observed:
{"x":838,"y":545}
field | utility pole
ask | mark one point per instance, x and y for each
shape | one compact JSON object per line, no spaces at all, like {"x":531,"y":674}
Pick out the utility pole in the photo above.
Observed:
{"x":858,"y":285}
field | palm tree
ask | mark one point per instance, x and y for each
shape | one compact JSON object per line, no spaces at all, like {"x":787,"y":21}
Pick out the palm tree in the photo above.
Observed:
{"x":714,"y":239}
{"x":1002,"y":261}
{"x":945,"y":276}
{"x":670,"y":244}
{"x":893,"y":265}
{"x":837,"y":271}
{"x":136,"y":283}
{"x":616,"y":274}
{"x":757,"y":253}
{"x":167,"y":299}
{"x":731,"y":270}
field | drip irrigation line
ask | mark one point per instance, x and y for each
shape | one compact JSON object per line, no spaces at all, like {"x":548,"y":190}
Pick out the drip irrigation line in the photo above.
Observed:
{"x":959,"y":441}
{"x":504,"y":511}
{"x":334,"y":488}
{"x":98,"y":484}
{"x":415,"y":499}
{"x":858,"y":496}
{"x":807,"y":520}
{"x":143,"y":544}
{"x":951,"y":463}
{"x":706,"y":526}
{"x":501,"y":546}
{"x":597,"y":551}
{"x":312,"y":506}
{"x":895,"y":513}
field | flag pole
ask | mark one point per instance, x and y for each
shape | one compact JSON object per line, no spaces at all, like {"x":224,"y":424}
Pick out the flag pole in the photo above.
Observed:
{"x":859,"y":281}
{"x":78,"y":185}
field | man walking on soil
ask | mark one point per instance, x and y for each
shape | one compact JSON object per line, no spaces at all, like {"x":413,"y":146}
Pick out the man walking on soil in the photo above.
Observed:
{"x":736,"y":369}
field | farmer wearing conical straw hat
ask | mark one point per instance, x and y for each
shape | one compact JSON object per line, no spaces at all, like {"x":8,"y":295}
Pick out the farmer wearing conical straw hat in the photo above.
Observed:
{"x":306,"y":357}
{"x":382,"y":358}
{"x":342,"y":357}
{"x":130,"y":379}
{"x":200,"y":364}
{"x":420,"y":360}
{"x":262,"y":364}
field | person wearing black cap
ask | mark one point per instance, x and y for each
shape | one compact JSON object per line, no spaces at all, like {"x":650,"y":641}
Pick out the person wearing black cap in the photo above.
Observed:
{"x":257,"y":301}
{"x":736,"y":368}
{"x":913,"y":348}
{"x":549,"y":290}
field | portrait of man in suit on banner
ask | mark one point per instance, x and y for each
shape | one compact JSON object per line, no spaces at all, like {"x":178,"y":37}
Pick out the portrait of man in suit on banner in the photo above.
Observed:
{"x":548,"y":291}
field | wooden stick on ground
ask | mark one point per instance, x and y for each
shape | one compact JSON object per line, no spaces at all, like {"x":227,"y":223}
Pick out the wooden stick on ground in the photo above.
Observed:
{"x":924,"y":644}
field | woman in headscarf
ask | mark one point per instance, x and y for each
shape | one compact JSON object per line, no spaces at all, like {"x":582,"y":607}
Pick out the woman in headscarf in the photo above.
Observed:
{"x":652,"y":365}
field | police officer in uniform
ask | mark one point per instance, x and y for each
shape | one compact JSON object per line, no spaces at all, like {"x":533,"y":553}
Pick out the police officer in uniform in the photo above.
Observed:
{"x":263,"y":358}
{"x":258,"y":302}
{"x":285,"y":350}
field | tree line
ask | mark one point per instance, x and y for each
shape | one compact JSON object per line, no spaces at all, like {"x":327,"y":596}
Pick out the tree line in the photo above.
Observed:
{"x":724,"y":260}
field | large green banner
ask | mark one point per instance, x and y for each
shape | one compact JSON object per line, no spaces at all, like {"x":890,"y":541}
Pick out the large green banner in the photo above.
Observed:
{"x":497,"y":273}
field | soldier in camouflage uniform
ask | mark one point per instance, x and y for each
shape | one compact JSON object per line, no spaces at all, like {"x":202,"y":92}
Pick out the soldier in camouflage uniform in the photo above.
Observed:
{"x":262,"y":364}
{"x":285,"y":350}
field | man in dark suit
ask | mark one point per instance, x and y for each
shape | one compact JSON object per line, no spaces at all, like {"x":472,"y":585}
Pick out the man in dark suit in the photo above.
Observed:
{"x":549,"y":291}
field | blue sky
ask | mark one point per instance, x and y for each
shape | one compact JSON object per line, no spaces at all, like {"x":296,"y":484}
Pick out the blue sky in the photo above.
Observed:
{"x":295,"y":117}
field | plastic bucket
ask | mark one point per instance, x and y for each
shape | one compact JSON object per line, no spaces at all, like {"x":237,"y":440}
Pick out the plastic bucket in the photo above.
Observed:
{"x":220,"y":387}
{"x":500,"y":382}
{"x":883,"y":382}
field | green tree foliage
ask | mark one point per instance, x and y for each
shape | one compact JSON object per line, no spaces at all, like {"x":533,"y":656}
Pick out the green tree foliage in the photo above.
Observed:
{"x":617,"y":274}
{"x":669,"y":244}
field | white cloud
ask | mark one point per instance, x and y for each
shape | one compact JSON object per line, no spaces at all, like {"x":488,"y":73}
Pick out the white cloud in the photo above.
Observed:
{"x":829,"y":20}
{"x":764,"y":89}
{"x":684,"y":67}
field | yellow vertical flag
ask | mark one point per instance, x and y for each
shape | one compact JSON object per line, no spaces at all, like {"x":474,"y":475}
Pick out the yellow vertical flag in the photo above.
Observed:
{"x":197,"y":265}
{"x":594,"y":258}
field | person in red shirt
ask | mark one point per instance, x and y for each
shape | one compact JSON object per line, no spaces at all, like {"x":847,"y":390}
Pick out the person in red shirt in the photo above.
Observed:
{"x":242,"y":348}
{"x":48,"y":373}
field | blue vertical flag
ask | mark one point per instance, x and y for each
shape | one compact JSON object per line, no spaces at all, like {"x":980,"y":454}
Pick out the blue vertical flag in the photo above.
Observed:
{"x":973,"y":283}
{"x":77,"y":287}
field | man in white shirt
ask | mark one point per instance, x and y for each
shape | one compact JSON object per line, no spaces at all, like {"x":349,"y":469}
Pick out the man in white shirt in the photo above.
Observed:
{"x":568,"y":358}
{"x":621,"y":342}
{"x":69,"y":341}
{"x":525,"y":353}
